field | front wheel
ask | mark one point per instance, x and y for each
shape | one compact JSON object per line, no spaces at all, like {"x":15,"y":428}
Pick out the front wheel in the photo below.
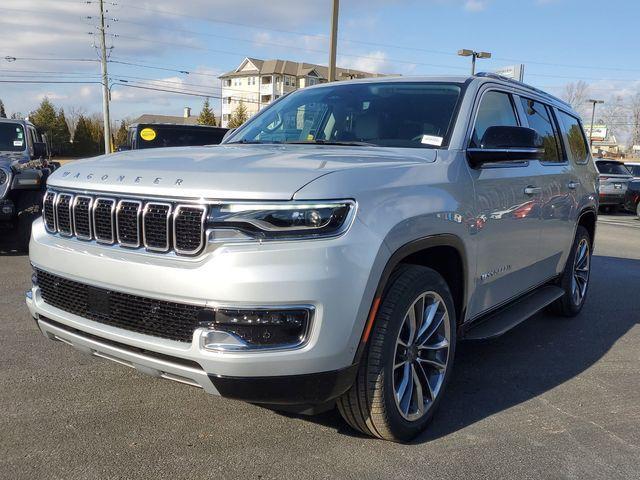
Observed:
{"x":407,"y":365}
{"x":575,"y":278}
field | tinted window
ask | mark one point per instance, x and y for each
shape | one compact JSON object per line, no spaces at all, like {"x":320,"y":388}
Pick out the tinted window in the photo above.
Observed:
{"x":176,"y":136}
{"x":540,"y":119}
{"x":574,"y":138}
{"x":12,"y":138}
{"x":495,"y":109}
{"x":634,"y":169}
{"x":612,"y":168}
{"x":393,"y":114}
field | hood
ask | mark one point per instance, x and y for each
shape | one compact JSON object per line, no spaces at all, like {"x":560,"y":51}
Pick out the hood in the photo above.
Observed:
{"x":7,"y":158}
{"x":252,"y":172}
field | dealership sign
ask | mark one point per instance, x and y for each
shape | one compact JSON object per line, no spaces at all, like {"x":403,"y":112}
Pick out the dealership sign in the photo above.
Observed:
{"x":599,"y":132}
{"x":512,"y":71}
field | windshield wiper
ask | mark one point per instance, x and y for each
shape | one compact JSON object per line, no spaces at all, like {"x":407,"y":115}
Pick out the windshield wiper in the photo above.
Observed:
{"x":244,"y":141}
{"x":345,"y":143}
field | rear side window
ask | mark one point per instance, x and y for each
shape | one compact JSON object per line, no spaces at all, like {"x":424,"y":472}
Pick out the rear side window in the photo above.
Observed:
{"x":574,"y":138}
{"x":496,"y":109}
{"x":634,"y":169}
{"x":612,"y":168}
{"x":540,"y":119}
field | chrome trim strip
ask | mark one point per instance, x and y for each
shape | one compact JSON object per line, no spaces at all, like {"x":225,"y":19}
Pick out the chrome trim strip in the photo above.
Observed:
{"x":203,"y":217}
{"x":53,"y":228}
{"x":93,"y":214}
{"x":168,"y":226}
{"x":70,"y":208}
{"x":138,"y":215}
{"x":89,"y":217}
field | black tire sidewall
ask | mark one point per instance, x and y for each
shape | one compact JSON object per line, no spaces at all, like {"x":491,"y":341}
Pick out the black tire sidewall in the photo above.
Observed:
{"x":569,"y":308}
{"x":428,"y":279}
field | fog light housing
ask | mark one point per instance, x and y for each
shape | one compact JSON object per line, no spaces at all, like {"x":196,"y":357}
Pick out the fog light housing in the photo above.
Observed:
{"x":250,"y":329}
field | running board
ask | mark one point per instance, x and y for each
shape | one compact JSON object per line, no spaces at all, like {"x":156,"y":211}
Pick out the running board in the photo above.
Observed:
{"x":514,"y":314}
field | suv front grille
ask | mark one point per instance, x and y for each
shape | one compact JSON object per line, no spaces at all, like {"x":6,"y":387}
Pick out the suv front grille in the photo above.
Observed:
{"x":156,"y":226}
{"x":159,"y":318}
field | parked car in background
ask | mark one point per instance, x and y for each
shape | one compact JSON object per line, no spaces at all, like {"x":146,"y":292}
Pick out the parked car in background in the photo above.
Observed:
{"x":634,"y":168}
{"x":331,"y":251}
{"x":24,"y":168}
{"x":632,"y":197}
{"x":160,"y":135}
{"x":614,"y":180}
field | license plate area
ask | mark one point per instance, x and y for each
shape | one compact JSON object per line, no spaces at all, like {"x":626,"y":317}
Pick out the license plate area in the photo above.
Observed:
{"x":98,"y":301}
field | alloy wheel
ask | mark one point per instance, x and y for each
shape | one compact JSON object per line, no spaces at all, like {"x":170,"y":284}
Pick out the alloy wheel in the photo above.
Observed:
{"x":581,"y":267}
{"x":421,"y":355}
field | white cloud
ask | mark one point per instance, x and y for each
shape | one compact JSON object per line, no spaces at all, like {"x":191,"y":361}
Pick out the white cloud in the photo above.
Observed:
{"x":375,"y":62}
{"x":475,"y":5}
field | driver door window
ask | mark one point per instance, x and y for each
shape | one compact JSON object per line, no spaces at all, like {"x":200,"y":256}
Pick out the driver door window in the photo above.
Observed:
{"x":496,"y":109}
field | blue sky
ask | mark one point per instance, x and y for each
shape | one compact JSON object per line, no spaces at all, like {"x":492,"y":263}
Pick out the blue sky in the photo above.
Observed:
{"x":559,"y":41}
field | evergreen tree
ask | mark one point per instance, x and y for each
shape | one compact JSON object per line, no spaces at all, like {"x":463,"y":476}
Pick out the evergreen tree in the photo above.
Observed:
{"x":3,"y":113}
{"x":83,"y":142}
{"x":121,"y":135}
{"x":206,"y":115}
{"x":61,"y":135}
{"x":239,"y":116}
{"x":45,"y":119}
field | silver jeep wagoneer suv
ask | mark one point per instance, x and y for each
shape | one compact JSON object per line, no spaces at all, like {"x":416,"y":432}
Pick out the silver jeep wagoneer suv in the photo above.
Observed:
{"x":332,"y":250}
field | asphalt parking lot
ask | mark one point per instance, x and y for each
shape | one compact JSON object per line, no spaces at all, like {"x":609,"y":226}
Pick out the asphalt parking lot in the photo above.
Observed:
{"x":553,"y":398}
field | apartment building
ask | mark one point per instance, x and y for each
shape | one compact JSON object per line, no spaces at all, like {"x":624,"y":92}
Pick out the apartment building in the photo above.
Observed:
{"x":257,"y":82}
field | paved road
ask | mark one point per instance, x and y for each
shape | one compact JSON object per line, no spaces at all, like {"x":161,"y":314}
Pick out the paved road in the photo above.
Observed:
{"x":551,"y":399}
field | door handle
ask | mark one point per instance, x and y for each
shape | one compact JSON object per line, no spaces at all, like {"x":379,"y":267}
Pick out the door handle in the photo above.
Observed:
{"x":532,"y":190}
{"x":573,"y":185}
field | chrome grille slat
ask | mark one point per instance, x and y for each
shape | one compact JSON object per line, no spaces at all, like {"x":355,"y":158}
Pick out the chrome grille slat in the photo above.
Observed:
{"x":128,"y":222}
{"x":156,"y":222}
{"x":49,"y":212}
{"x":64,"y":204}
{"x":82,"y":224}
{"x":188,"y":234}
{"x":103,"y":214}
{"x":156,"y":226}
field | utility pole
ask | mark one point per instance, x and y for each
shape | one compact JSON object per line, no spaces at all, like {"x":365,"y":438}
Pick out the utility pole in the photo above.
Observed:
{"x":105,"y":84}
{"x":333,"y":42}
{"x":593,"y":116}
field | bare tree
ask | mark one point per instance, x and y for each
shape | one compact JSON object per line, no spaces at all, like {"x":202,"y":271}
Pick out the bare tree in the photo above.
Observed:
{"x":635,"y":119}
{"x":614,"y":116}
{"x":576,"y":94}
{"x":73,"y":114}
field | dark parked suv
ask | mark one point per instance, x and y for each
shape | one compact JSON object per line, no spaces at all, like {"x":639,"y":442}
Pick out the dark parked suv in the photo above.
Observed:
{"x":614,"y":181}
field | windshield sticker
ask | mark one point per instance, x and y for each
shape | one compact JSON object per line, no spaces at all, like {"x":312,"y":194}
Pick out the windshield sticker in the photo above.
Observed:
{"x":148,"y":134}
{"x":17,"y":143}
{"x":431,"y":140}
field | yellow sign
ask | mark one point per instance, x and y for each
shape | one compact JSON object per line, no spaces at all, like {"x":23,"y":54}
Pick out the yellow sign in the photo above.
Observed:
{"x":148,"y":134}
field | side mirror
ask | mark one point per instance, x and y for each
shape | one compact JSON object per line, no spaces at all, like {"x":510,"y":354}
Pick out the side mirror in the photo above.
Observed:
{"x":39,"y":150}
{"x":506,"y":144}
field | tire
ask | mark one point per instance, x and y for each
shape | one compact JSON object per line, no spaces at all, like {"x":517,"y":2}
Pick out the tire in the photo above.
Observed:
{"x":28,"y":207}
{"x":371,"y":405}
{"x":568,"y":305}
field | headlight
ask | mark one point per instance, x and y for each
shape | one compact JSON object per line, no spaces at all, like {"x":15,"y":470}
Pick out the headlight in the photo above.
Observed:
{"x":290,"y":220}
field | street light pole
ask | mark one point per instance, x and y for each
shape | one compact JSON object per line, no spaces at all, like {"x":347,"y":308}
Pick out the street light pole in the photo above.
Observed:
{"x":473,"y":54}
{"x":333,"y":43}
{"x":105,"y":84}
{"x":593,"y":116}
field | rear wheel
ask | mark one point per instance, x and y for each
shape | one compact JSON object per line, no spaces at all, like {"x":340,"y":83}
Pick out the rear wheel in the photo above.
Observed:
{"x":575,"y":278}
{"x":408,"y":363}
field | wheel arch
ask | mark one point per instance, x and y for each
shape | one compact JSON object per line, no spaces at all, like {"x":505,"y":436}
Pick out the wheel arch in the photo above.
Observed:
{"x":588,"y":219}
{"x":445,"y":253}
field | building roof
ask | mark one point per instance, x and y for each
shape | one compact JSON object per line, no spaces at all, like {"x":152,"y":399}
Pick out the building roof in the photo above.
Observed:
{"x":179,"y":120}
{"x":298,"y":69}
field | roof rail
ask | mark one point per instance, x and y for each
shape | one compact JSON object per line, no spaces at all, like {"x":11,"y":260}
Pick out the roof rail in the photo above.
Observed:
{"x":522,"y":84}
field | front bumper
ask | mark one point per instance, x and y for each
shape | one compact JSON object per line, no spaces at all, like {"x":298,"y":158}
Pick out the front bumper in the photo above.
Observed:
{"x":331,"y":275}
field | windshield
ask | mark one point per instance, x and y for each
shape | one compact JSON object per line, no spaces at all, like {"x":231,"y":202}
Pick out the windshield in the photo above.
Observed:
{"x":398,"y":114}
{"x":612,"y":168}
{"x":12,"y":137}
{"x":634,"y":169}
